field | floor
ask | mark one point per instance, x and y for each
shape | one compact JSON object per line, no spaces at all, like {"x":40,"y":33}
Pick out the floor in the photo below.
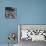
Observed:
{"x":30,"y":43}
{"x":7,"y":45}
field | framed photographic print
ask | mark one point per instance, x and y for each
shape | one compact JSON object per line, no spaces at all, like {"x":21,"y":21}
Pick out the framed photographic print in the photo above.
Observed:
{"x":10,"y":12}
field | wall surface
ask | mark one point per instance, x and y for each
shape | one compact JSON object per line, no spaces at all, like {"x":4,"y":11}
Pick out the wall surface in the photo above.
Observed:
{"x":28,"y":12}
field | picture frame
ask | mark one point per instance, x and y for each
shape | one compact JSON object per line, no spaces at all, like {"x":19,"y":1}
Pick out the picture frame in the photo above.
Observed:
{"x":39,"y":28}
{"x":10,"y":12}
